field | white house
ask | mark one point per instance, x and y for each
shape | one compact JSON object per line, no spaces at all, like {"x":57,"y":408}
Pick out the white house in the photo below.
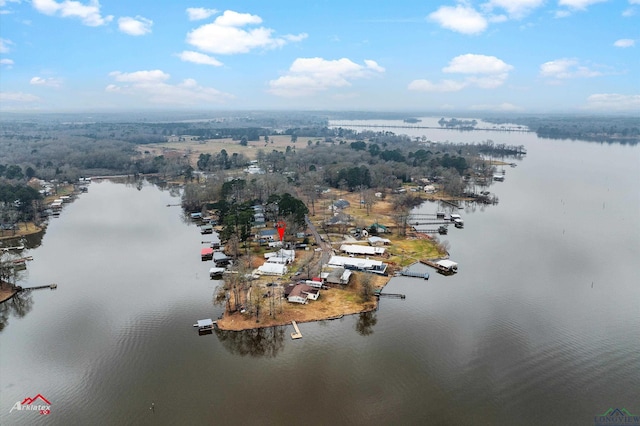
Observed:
{"x":272,"y":269}
{"x":362,"y":250}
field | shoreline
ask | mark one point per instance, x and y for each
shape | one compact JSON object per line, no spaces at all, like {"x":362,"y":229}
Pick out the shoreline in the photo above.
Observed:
{"x":247,"y":322}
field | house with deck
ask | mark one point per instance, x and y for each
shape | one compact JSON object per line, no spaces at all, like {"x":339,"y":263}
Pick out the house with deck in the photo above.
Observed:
{"x":301,"y":293}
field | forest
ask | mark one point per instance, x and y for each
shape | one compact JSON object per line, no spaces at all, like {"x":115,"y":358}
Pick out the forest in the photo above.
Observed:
{"x":59,"y":148}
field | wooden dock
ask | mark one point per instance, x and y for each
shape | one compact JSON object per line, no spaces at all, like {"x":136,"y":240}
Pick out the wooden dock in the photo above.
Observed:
{"x":51,"y":286}
{"x":437,"y":267}
{"x":379,"y":293}
{"x":297,"y":334}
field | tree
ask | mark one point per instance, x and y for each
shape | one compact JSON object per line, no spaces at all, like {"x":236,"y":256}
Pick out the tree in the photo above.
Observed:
{"x":366,"y":286}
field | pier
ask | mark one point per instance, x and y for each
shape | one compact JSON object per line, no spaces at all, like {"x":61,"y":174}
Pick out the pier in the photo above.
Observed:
{"x":50,"y":286}
{"x":379,"y":293}
{"x":297,"y":334}
{"x":408,"y":273}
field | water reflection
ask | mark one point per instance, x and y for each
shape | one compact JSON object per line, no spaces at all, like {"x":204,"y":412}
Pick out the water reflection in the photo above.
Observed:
{"x":261,"y":342}
{"x":18,"y":306}
{"x":366,"y":322}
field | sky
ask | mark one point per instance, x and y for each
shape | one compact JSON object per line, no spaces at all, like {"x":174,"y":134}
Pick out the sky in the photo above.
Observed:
{"x":522,"y":56}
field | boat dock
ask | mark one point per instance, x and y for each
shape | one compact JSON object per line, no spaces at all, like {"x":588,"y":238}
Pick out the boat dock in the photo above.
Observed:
{"x":443,"y":266}
{"x":297,"y":334}
{"x":379,"y":293}
{"x":51,"y":286}
{"x":408,"y":273}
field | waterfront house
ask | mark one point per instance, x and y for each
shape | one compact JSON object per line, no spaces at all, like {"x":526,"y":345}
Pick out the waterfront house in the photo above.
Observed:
{"x":301,"y":293}
{"x":358,"y":264}
{"x":354,"y":249}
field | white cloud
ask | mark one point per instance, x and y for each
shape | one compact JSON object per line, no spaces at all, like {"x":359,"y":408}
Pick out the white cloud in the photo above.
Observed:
{"x":88,"y":14}
{"x":613,"y":102}
{"x":151,"y":86}
{"x":5,"y":45}
{"x":477,"y":64}
{"x":307,"y":76}
{"x":49,"y":82}
{"x":198,"y":13}
{"x":485,"y":72}
{"x":135,"y":26}
{"x":579,"y":4}
{"x":516,"y":9}
{"x":6,"y":62}
{"x":140,"y":77}
{"x":199,"y":58}
{"x":566,"y":68}
{"x":18,"y":97}
{"x":460,"y":18}
{"x":443,"y":86}
{"x":505,"y":106}
{"x":226,"y":36}
{"x":625,"y":42}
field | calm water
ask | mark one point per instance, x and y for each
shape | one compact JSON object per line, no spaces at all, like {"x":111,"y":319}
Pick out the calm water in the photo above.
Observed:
{"x":540,"y":326}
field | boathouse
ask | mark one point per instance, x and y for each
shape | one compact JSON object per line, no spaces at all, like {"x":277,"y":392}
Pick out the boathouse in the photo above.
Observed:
{"x":447,"y":265}
{"x":206,"y":253}
{"x":220,"y":259}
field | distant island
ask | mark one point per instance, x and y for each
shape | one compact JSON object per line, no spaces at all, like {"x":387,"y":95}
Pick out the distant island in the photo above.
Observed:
{"x":412,"y":120}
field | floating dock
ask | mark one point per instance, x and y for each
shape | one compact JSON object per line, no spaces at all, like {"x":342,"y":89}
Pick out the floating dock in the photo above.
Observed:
{"x":408,"y":273}
{"x":297,"y":334}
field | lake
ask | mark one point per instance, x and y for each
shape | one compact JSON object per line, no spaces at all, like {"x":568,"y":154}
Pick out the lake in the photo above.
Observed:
{"x":541,"y":325}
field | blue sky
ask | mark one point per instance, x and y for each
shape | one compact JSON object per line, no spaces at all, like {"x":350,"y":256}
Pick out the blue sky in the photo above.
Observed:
{"x":526,"y":56}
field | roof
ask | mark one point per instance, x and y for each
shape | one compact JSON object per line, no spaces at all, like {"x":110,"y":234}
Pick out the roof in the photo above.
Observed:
{"x":206,"y":250}
{"x":447,"y":263}
{"x":356,"y":249}
{"x":205,"y":323}
{"x":273,"y":268}
{"x":378,"y":240}
{"x":218,"y":255}
{"x":301,"y":290}
{"x":355,"y":261}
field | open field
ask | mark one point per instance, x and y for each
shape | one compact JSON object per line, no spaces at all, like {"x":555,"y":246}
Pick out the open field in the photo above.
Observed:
{"x":193,"y":148}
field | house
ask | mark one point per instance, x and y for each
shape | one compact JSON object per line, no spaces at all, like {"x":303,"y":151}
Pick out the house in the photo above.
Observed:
{"x":272,"y":269}
{"x":301,"y":293}
{"x":339,"y":205}
{"x":354,"y":249}
{"x":377,"y":241}
{"x":336,"y":276}
{"x":358,"y":264}
{"x":266,"y":235}
{"x":281,"y":256}
{"x":379,"y":228}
